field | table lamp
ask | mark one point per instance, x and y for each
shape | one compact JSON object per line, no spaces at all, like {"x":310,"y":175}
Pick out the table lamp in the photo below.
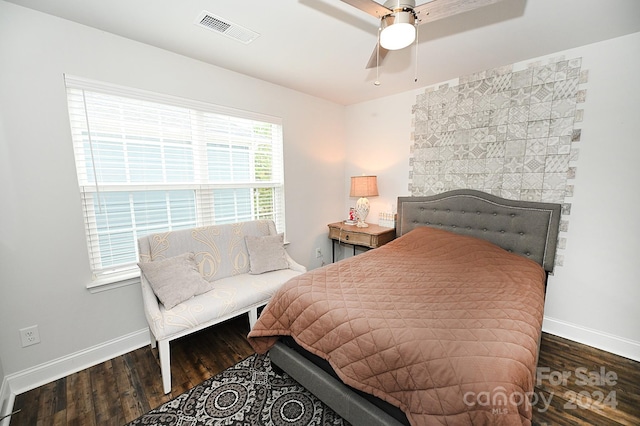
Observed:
{"x":363,"y":187}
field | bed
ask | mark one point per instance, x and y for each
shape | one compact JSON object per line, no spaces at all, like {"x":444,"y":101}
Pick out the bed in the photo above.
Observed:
{"x":440,"y":326}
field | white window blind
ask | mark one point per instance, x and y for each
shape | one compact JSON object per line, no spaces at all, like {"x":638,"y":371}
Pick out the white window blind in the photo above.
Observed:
{"x":149,"y":163}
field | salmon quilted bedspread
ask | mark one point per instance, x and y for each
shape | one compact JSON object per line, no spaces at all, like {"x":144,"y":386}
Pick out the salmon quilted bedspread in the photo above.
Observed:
{"x":446,"y":327}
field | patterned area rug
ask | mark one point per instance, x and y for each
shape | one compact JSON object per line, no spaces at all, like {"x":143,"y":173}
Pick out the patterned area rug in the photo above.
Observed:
{"x":249,"y":393}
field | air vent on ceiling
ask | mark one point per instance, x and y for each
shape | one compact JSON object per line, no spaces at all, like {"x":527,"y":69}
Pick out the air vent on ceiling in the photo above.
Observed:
{"x":224,"y":27}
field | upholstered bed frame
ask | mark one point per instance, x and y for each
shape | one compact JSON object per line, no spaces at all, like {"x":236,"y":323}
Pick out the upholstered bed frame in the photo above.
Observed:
{"x":523,"y":227}
{"x":526,"y":228}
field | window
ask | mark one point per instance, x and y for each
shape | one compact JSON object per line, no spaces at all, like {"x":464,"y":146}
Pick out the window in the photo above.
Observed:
{"x":151,"y":163}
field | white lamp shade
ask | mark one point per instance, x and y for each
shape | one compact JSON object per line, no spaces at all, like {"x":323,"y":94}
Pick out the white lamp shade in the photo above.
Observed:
{"x":364,"y":186}
{"x":400,"y":34}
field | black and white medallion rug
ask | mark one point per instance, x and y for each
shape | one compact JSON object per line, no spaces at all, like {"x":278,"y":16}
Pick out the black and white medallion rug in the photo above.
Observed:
{"x":249,"y":393}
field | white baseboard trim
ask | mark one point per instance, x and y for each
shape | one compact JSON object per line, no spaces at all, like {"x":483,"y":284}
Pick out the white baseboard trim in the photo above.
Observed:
{"x":39,"y":375}
{"x":590,"y":337}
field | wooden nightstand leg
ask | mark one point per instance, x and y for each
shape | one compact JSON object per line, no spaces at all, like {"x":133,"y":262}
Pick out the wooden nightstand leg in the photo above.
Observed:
{"x":333,"y":251}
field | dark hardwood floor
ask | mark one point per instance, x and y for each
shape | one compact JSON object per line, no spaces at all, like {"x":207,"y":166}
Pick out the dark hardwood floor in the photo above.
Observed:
{"x":585,"y":386}
{"x":123,"y":388}
{"x":578,"y":385}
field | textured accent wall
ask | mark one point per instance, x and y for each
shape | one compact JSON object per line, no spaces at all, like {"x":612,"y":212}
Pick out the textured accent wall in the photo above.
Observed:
{"x":512,"y":133}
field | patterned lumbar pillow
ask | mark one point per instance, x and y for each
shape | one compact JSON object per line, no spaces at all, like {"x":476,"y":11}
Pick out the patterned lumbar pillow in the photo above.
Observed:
{"x":266,"y":253}
{"x":174,"y":279}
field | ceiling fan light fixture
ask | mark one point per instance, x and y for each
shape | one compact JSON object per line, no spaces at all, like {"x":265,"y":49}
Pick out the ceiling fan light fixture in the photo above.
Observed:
{"x":398,"y":30}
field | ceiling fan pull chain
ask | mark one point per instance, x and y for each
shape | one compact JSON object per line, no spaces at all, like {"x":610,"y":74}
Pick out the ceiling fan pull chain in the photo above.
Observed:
{"x":415,"y":77}
{"x":377,"y":82}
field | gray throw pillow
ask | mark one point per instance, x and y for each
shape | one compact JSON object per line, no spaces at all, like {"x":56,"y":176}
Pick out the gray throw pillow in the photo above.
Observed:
{"x":266,"y":253}
{"x":175,"y":279}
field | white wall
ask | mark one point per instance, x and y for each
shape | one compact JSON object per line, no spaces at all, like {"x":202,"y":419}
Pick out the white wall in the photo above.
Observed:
{"x":43,"y":259}
{"x":592,"y":298}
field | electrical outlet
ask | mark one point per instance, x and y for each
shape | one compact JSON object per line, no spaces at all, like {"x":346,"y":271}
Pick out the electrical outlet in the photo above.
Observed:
{"x":318,"y":252}
{"x":29,"y":336}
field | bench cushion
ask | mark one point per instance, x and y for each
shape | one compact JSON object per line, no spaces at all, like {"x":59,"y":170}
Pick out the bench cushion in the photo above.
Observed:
{"x":229,"y":295}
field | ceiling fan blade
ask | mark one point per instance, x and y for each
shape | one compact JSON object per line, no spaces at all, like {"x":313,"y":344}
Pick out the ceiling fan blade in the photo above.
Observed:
{"x":374,"y":60}
{"x":369,"y":6}
{"x":439,"y":9}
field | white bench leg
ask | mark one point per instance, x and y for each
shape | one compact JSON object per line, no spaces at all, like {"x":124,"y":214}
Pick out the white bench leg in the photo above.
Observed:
{"x":165,"y":365}
{"x":253,"y":317}
{"x":153,"y":339}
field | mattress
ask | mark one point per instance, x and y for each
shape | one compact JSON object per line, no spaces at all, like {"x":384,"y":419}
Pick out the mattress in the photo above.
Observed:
{"x":443,"y":326}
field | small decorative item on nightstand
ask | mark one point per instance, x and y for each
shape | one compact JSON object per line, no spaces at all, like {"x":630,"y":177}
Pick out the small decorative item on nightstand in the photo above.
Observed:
{"x":387,"y":220}
{"x":352,"y":217}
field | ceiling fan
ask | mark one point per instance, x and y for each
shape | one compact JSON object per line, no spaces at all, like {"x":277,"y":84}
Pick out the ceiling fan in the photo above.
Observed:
{"x":399,"y":19}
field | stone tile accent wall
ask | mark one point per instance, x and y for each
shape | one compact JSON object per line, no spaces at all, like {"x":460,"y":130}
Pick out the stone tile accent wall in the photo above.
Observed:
{"x":512,"y":133}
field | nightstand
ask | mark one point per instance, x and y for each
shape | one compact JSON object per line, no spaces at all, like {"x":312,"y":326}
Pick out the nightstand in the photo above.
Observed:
{"x":371,"y":237}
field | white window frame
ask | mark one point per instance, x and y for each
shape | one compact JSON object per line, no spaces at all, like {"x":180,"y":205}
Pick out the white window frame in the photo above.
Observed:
{"x":91,"y":187}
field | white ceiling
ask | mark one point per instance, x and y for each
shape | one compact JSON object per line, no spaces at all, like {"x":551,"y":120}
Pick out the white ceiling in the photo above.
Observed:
{"x":321,"y":47}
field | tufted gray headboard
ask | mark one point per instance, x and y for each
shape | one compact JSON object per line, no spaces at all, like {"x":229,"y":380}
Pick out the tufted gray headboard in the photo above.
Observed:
{"x":523,"y":227}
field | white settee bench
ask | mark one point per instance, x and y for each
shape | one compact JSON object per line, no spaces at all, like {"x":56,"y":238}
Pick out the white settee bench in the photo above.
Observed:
{"x":194,"y":278}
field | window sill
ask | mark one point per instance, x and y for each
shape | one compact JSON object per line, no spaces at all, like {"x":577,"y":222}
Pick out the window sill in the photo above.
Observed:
{"x":113,"y":281}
